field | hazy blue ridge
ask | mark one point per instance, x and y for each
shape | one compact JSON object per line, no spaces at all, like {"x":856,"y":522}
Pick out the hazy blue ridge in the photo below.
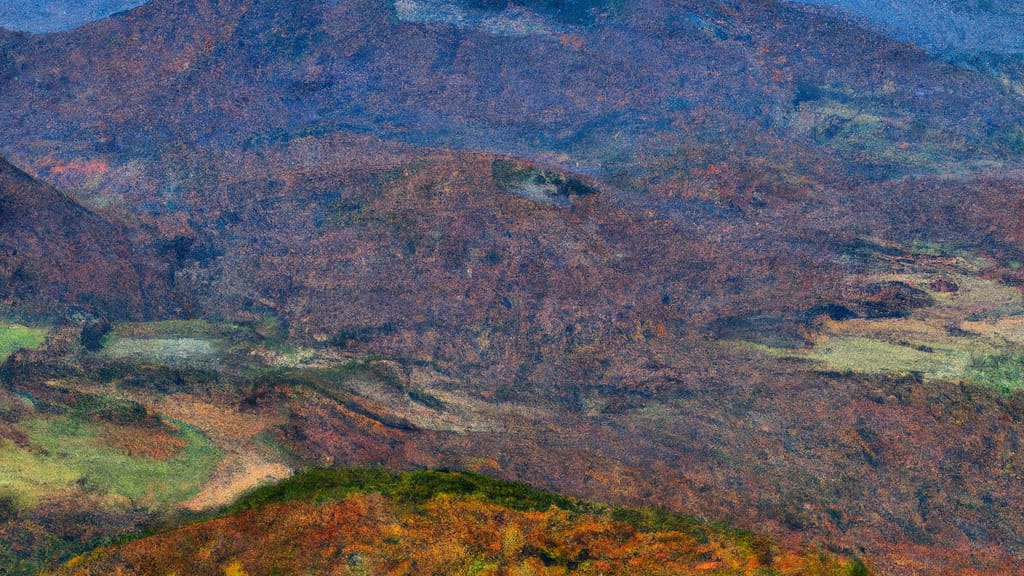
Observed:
{"x":945,"y":27}
{"x":58,"y":15}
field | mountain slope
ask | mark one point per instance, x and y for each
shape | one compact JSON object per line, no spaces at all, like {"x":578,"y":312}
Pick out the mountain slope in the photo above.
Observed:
{"x":366,"y":521}
{"x":805,"y":93}
{"x":946,"y":27}
{"x":59,"y":257}
{"x":38,"y":17}
{"x":736,"y":258}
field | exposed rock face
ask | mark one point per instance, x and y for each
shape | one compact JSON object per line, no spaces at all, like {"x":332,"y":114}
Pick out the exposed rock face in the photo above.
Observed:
{"x":537,"y":184}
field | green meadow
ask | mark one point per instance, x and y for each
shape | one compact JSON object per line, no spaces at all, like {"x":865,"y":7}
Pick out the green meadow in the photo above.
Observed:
{"x":15,"y":337}
{"x":66,"y":454}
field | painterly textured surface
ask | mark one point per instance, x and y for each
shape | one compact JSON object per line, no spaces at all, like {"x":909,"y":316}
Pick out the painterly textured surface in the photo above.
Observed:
{"x":367,"y":522}
{"x":40,"y":16}
{"x":945,"y":27}
{"x":742,"y":260}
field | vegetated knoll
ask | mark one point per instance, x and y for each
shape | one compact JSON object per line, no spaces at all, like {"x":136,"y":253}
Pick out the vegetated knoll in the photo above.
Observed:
{"x":370,"y":521}
{"x":56,"y":256}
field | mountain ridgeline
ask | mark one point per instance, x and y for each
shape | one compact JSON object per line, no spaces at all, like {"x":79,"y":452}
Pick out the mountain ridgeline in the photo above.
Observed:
{"x":745,"y":260}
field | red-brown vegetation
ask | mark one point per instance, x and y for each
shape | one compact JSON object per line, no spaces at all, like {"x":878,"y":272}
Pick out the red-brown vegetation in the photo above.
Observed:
{"x":448,"y":534}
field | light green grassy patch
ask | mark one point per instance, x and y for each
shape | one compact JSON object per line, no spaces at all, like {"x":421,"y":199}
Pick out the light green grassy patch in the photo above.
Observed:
{"x":985,"y":366}
{"x":292,"y":357}
{"x":981,"y":298}
{"x":197,"y":343}
{"x":969,"y":259}
{"x":15,"y":336}
{"x":871,"y":356}
{"x":869,"y":133}
{"x":972,"y":332}
{"x":67,"y":452}
{"x":1004,"y":372}
{"x":176,"y":351}
{"x":30,"y":477}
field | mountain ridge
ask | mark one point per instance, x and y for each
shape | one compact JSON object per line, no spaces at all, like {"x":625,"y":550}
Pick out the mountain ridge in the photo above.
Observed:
{"x":310,"y":102}
{"x":661,"y":253}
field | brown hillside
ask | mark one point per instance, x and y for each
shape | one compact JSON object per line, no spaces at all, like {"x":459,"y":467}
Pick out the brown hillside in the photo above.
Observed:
{"x":58,"y":256}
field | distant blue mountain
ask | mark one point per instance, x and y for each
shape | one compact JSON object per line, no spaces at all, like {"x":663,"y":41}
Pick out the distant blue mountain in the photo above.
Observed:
{"x":57,"y":15}
{"x":945,"y":27}
{"x":950,"y":28}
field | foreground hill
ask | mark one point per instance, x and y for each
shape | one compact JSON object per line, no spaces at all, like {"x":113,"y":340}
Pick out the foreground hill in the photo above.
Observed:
{"x":371,"y":522}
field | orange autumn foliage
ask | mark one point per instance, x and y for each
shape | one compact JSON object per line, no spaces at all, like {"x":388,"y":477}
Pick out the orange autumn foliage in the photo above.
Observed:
{"x":369,"y":533}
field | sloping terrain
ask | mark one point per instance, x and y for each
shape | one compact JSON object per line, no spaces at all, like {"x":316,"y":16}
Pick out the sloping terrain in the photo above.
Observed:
{"x":55,"y":16}
{"x":741,"y":260}
{"x":59,"y":257}
{"x":947,"y":27}
{"x":983,"y":36}
{"x":370,"y":522}
{"x":694,"y":92}
{"x":910,"y":472}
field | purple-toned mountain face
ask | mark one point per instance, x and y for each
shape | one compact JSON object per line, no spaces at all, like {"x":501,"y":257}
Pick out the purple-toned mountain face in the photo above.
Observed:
{"x":745,"y":260}
{"x":59,"y":257}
